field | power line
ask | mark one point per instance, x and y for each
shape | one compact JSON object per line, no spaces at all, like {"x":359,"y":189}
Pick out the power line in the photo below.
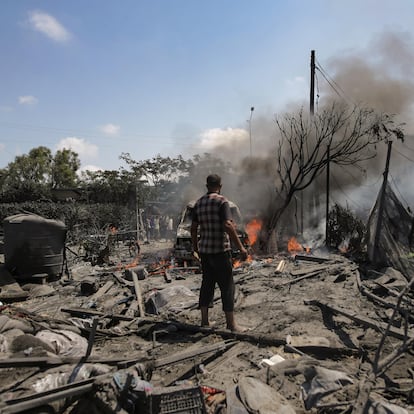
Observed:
{"x":345,"y":194}
{"x":406,"y":146}
{"x":356,"y":178}
{"x":403,"y":155}
{"x":332,"y":82}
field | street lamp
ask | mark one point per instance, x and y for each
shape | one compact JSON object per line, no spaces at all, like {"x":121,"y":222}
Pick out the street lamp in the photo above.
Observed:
{"x":250,"y":129}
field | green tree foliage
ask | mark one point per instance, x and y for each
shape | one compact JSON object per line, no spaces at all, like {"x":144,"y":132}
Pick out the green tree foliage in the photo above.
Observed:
{"x":109,"y":186}
{"x":64,"y":167}
{"x":31,"y":176}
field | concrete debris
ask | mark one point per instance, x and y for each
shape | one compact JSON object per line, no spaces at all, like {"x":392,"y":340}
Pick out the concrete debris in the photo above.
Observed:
{"x":320,"y":333}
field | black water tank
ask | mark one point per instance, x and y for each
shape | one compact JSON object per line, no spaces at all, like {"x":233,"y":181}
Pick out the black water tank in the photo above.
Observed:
{"x":33,"y":245}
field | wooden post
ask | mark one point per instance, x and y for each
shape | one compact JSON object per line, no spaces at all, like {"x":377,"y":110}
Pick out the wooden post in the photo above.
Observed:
{"x":138,"y":294}
{"x":312,"y":83}
{"x":327,"y":241}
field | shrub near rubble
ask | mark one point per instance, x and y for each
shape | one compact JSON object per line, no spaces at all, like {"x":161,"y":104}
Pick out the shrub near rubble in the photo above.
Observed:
{"x":80,"y":219}
{"x":346,"y":231}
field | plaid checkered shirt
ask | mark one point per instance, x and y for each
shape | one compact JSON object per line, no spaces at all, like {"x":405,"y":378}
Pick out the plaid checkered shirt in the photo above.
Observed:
{"x":210,"y":211}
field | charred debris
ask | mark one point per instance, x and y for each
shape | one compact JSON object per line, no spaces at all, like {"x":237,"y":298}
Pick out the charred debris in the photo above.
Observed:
{"x":112,"y":326}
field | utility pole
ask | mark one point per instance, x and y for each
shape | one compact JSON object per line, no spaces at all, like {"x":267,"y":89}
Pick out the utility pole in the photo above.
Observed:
{"x":374,"y":253}
{"x":327,"y":241}
{"x":311,"y":110}
{"x":312,"y":83}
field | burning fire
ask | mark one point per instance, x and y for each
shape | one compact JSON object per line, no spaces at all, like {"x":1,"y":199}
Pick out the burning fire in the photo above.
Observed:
{"x":121,"y":266}
{"x":237,"y":263}
{"x":253,"y":229}
{"x":294,"y":246}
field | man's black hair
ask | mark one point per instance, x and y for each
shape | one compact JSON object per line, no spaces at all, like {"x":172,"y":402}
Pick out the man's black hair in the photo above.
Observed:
{"x":213,"y":180}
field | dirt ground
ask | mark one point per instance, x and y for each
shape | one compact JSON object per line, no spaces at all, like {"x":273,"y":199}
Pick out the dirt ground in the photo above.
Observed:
{"x":314,"y":314}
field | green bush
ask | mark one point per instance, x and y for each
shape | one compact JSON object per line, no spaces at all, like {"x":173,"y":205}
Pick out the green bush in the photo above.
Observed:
{"x":80,"y":219}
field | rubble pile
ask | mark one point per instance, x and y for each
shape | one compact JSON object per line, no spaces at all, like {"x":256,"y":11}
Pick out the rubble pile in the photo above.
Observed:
{"x":320,"y":334}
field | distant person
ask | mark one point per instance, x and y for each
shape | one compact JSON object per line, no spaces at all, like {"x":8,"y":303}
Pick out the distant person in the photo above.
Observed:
{"x":163,"y":227}
{"x":156,"y":227}
{"x":170,"y":228}
{"x":212,"y":216}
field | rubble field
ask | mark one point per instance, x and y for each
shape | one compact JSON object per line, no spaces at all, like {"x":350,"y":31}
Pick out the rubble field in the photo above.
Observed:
{"x":321,"y":333}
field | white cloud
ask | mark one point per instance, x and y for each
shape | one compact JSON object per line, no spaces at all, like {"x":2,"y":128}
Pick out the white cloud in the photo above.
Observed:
{"x":215,"y":137}
{"x":28,"y":100}
{"x":49,"y":26}
{"x":84,"y":149}
{"x":110,"y":129}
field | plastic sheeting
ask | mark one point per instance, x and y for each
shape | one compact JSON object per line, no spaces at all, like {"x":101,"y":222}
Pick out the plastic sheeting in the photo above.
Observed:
{"x":321,"y":382}
{"x":260,"y":398}
{"x":172,"y":299}
{"x":64,"y":343}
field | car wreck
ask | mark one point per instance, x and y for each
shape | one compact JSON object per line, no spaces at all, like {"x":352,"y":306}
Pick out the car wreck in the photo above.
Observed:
{"x":183,"y":250}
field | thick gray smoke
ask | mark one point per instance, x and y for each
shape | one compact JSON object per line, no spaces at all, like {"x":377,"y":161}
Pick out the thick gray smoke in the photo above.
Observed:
{"x":377,"y":77}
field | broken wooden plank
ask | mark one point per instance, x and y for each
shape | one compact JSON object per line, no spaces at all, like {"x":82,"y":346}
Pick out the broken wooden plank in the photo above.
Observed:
{"x":182,"y":356}
{"x":303,"y":270}
{"x":102,"y":290}
{"x":167,"y":276}
{"x":31,"y":401}
{"x":138,"y":294}
{"x":80,"y":312}
{"x":311,"y":258}
{"x":25,"y":362}
{"x":226,"y":356}
{"x":266,"y":339}
{"x":298,"y":279}
{"x":377,"y":326}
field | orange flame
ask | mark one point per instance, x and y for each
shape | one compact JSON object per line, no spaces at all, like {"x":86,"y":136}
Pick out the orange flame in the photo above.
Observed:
{"x":294,"y":246}
{"x":344,"y":247}
{"x":253,"y":229}
{"x":237,"y":262}
{"x":134,"y":263}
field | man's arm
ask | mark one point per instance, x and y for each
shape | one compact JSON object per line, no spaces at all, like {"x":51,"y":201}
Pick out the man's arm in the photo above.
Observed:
{"x":231,"y":231}
{"x":194,"y":235}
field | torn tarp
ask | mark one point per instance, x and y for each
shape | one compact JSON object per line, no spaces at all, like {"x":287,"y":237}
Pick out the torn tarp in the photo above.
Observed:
{"x":171,"y":299}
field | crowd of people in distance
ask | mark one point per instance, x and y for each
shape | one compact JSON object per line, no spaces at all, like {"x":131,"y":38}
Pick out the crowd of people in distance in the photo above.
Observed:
{"x":159,"y":227}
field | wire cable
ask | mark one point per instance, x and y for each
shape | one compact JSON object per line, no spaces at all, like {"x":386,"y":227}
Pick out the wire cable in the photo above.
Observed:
{"x":356,"y":179}
{"x":317,"y":92}
{"x":406,"y":146}
{"x":332,"y":81}
{"x":345,"y":194}
{"x":403,"y":155}
{"x":330,"y":84}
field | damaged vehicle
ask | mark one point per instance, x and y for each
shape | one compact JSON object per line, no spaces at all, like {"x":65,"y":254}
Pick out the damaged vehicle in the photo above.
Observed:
{"x":183,"y":250}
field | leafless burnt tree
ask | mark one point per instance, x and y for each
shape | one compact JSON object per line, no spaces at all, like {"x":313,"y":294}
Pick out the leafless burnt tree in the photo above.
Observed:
{"x":349,"y":135}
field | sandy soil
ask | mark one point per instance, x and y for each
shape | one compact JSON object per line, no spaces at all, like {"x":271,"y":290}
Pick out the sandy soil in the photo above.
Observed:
{"x":275,"y":308}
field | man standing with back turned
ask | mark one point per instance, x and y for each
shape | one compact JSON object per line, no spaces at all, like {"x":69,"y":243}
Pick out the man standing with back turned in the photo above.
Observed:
{"x":212,"y":215}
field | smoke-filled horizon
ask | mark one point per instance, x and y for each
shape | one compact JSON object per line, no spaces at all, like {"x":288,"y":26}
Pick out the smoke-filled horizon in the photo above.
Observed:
{"x":377,"y":77}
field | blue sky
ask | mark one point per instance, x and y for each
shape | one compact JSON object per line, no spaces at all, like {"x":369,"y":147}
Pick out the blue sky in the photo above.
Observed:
{"x":165,"y":77}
